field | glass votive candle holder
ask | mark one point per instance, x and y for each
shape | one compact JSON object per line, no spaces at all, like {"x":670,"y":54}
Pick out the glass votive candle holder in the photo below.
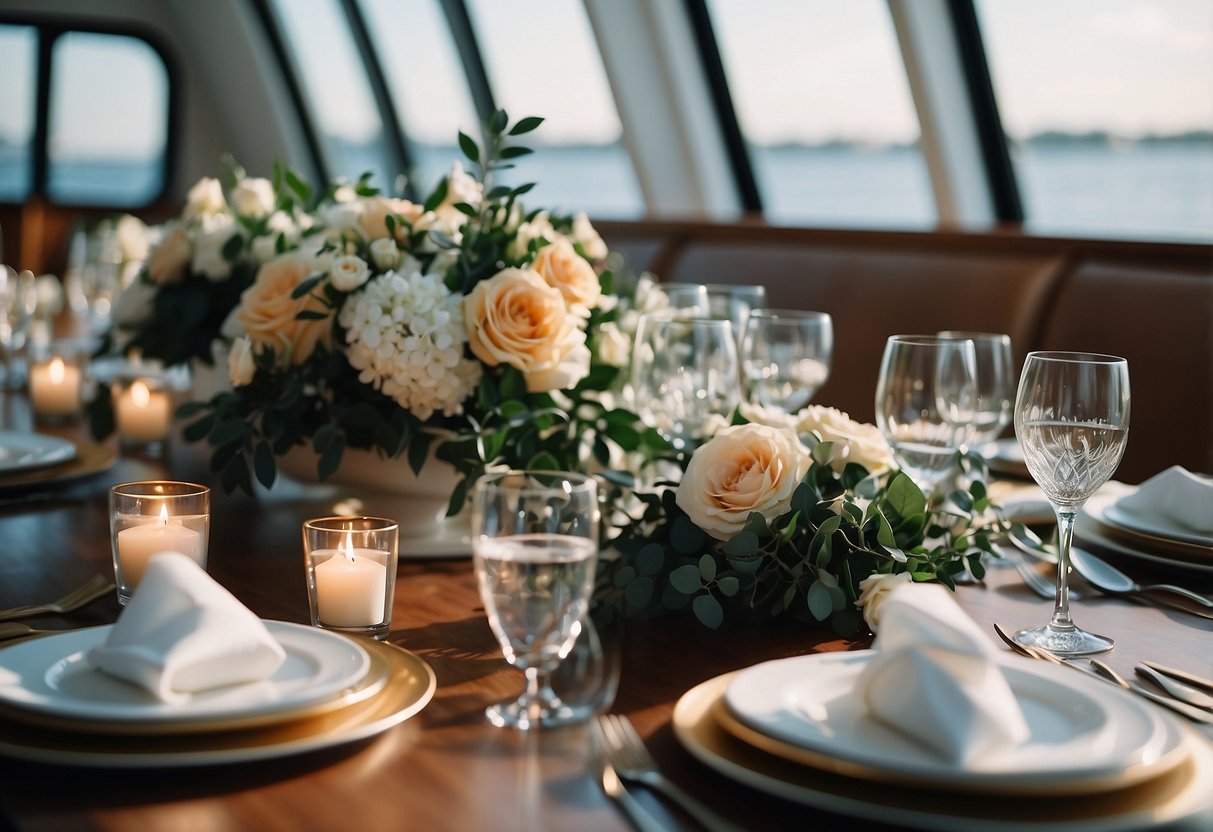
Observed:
{"x":150,"y":518}
{"x":56,"y":386}
{"x":143,"y":413}
{"x":351,"y":573}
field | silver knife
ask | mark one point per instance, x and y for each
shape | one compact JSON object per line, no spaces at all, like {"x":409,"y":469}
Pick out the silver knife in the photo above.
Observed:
{"x":1182,"y":692}
{"x":1183,"y":676}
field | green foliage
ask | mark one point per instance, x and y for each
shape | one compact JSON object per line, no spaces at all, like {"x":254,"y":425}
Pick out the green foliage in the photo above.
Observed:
{"x":805,"y":565}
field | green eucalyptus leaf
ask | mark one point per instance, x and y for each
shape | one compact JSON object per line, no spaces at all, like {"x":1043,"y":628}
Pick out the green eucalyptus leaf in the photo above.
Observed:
{"x":904,"y":497}
{"x":264,"y":465}
{"x":728,"y":586}
{"x":639,"y":592}
{"x":526,"y":125}
{"x":708,"y":610}
{"x":743,"y":543}
{"x":469,"y":147}
{"x":650,"y":559}
{"x":686,"y":580}
{"x":819,"y":601}
{"x":707,"y":567}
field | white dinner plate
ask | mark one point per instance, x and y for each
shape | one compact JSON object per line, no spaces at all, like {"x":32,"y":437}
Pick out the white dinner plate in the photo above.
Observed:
{"x":52,"y":676}
{"x":24,"y":451}
{"x":1091,"y":526}
{"x":1004,"y":456}
{"x":1157,"y":527}
{"x":1182,"y":793}
{"x":1084,"y":736}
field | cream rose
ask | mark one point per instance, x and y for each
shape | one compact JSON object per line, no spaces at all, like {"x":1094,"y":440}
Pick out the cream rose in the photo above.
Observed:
{"x":241,"y":364}
{"x":348,"y":273}
{"x":561,"y":266}
{"x":516,"y":318}
{"x":585,"y":235}
{"x":856,"y":442}
{"x":268,"y":312}
{"x":614,"y":346}
{"x":132,"y":238}
{"x":373,"y":212}
{"x":385,"y":254}
{"x":253,"y":197}
{"x":204,"y":199}
{"x":874,"y":590}
{"x":167,"y":261}
{"x":538,"y":227}
{"x":742,"y":469}
{"x":209,"y":242}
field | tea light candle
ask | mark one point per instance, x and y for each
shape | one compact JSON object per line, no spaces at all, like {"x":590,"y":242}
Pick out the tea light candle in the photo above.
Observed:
{"x":142,"y":413}
{"x":351,"y":585}
{"x":55,"y":387}
{"x":140,"y":543}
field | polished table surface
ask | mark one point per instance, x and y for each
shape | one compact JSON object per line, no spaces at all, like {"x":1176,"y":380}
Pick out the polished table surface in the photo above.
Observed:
{"x":446,"y":768}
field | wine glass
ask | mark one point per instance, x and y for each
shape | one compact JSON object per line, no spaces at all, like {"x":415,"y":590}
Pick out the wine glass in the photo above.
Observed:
{"x":785,"y":356}
{"x":995,"y":383}
{"x":534,"y":552}
{"x":19,"y":299}
{"x":1072,"y":422}
{"x":685,"y":375}
{"x":925,"y":400}
{"x":730,"y":301}
{"x":686,"y":300}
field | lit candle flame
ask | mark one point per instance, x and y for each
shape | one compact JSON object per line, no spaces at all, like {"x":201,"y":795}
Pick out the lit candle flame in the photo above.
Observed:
{"x":164,"y":514}
{"x":348,"y":549}
{"x":139,"y":394}
{"x":55,"y":371}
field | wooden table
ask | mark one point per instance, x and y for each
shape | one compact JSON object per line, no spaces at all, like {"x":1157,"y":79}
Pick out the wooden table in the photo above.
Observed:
{"x":446,"y":768}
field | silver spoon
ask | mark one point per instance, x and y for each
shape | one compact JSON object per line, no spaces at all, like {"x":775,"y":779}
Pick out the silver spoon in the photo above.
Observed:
{"x":1098,"y":572}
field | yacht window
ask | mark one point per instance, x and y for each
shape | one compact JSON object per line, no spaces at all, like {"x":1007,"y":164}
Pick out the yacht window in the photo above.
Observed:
{"x":429,"y":89}
{"x":338,"y":91}
{"x":823,"y":103}
{"x":18,"y":51}
{"x":547,"y":64}
{"x":1109,"y":112}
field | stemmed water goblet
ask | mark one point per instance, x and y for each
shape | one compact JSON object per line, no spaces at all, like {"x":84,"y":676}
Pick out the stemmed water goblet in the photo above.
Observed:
{"x":995,"y":380}
{"x":729,"y":301}
{"x":785,"y":356}
{"x":1072,"y":422}
{"x":19,"y":299}
{"x":534,"y":552}
{"x":685,"y":375}
{"x":925,"y":398}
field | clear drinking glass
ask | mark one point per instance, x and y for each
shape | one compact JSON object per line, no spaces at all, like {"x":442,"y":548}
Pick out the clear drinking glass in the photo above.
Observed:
{"x":785,"y":356}
{"x":685,"y":374}
{"x":1072,"y":422}
{"x":995,"y":383}
{"x":535,"y":551}
{"x":925,"y":398}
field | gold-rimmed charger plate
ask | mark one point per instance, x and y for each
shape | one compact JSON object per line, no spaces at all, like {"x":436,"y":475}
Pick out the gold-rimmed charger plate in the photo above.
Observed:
{"x":90,"y":459}
{"x":1180,"y":793}
{"x":409,"y":686}
{"x":1174,"y":549}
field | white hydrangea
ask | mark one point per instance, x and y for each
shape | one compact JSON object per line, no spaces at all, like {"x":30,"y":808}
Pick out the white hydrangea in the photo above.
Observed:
{"x":405,"y":336}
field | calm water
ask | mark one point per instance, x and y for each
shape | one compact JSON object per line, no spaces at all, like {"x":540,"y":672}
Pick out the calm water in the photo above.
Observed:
{"x":1152,"y":192}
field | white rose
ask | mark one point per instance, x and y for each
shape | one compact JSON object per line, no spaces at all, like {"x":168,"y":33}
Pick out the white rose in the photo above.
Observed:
{"x":167,"y":261}
{"x":385,"y":254}
{"x":874,"y":590}
{"x":539,"y":227}
{"x":209,"y":242}
{"x":572,"y":368}
{"x":855,"y":441}
{"x":742,"y":469}
{"x":348,"y":273}
{"x":460,"y":187}
{"x":614,"y":346}
{"x":241,"y":365}
{"x":341,"y":218}
{"x":586,"y":236}
{"x":253,"y":197}
{"x":132,"y":237}
{"x":772,"y":416}
{"x":204,"y":199}
{"x":264,"y":249}
{"x":345,"y":193}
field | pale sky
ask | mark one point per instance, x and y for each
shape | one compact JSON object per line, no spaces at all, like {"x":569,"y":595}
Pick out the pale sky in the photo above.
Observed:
{"x":805,"y":70}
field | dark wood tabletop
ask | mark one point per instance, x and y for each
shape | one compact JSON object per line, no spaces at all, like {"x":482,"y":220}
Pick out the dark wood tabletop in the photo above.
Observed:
{"x":445,"y":768}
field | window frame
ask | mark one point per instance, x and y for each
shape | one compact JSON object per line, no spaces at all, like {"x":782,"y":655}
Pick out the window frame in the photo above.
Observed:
{"x":47,"y":33}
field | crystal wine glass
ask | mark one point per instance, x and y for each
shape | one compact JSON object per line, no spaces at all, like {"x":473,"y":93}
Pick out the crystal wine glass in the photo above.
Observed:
{"x":1072,"y":422}
{"x":925,"y":397}
{"x":785,"y":356}
{"x":685,"y":375}
{"x":995,"y":384}
{"x":535,"y":549}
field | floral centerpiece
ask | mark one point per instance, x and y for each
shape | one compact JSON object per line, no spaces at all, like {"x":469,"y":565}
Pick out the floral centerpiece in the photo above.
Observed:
{"x":794,"y":517}
{"x":463,"y":326}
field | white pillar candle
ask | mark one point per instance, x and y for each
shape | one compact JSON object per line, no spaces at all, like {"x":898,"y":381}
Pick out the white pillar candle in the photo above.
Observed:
{"x":351,"y":586}
{"x":55,"y":387}
{"x":139,"y":544}
{"x":143,"y":414}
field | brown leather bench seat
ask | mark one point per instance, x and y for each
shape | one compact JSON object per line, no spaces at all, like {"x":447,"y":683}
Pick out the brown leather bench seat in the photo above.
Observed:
{"x":1151,"y":303}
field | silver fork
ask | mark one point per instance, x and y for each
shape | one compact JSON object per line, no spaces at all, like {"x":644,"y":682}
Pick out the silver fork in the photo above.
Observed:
{"x":1035,"y":581}
{"x":86,"y":593}
{"x":632,"y":761}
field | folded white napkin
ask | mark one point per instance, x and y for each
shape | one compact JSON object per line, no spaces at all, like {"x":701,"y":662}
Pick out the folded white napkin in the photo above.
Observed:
{"x":1175,"y":496}
{"x":935,"y":678}
{"x":182,"y":633}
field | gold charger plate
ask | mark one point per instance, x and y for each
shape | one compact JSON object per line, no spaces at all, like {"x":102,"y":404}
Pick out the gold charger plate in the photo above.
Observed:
{"x":409,"y":685}
{"x":1180,"y":793}
{"x":90,"y":459}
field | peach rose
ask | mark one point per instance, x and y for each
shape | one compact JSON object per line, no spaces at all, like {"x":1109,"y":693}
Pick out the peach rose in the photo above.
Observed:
{"x":874,"y":590}
{"x":268,"y":312}
{"x":516,"y":318}
{"x":167,"y":261}
{"x":561,"y":266}
{"x":373,"y":212}
{"x":742,"y":469}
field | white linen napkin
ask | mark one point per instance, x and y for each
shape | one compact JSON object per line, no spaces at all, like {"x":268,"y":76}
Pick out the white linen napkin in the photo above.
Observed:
{"x":935,"y":678}
{"x":1175,"y":496}
{"x":183,"y":633}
